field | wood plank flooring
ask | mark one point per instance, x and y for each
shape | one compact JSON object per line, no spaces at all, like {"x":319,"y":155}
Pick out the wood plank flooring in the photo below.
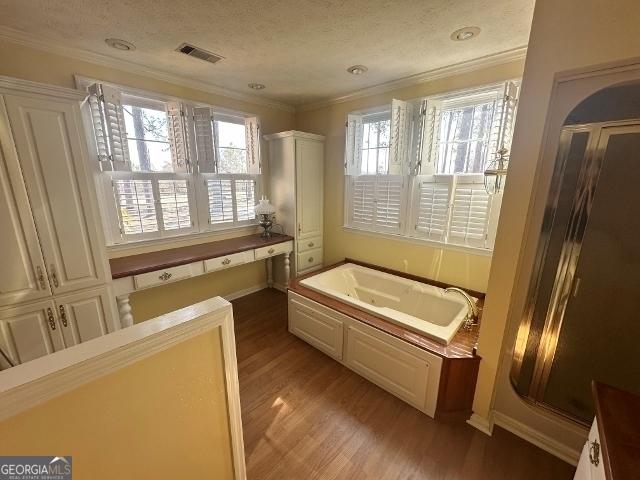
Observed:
{"x":305,"y":416}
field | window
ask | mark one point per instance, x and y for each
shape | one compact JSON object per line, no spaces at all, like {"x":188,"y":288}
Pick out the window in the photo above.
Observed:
{"x":172,"y":168}
{"x":419,"y":171}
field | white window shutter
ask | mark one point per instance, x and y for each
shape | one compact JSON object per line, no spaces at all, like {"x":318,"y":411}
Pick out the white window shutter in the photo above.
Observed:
{"x":252,"y":131}
{"x":220,"y":196}
{"x":432,"y":198}
{"x":399,"y":142}
{"x":353,"y":145}
{"x":96,"y":105}
{"x":116,"y":131}
{"x":363,"y":201}
{"x":470,"y":212}
{"x":504,"y":120}
{"x":204,"y":146}
{"x":430,"y":115}
{"x":388,"y":211}
{"x":176,"y":126}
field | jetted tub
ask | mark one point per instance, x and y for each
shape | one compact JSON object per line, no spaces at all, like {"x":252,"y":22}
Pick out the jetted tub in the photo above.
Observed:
{"x":423,"y":308}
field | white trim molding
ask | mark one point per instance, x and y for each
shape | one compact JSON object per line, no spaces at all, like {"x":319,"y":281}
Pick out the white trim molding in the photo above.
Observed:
{"x":33,"y":383}
{"x":18,"y":85}
{"x":428,"y":76}
{"x":485,"y":425}
{"x":15,"y":36}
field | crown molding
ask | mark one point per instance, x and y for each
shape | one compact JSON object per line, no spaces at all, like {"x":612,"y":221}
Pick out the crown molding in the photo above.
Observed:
{"x":27,"y":86}
{"x":20,"y":38}
{"x":428,"y":76}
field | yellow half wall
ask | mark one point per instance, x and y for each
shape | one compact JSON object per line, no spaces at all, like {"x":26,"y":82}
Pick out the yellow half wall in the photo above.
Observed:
{"x":163,"y":417}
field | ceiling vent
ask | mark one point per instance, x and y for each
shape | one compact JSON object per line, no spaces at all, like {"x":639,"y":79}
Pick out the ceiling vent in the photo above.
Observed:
{"x":196,"y":52}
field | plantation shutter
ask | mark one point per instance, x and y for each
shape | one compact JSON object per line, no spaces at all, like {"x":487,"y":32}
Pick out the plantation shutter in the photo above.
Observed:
{"x":220,"y":195}
{"x":178,"y":140}
{"x":136,"y":206}
{"x":470,"y":212}
{"x":430,"y":117}
{"x":431,"y":202}
{"x":353,"y":145}
{"x":503,"y":120}
{"x":376,"y":202}
{"x":399,"y":143}
{"x":204,"y":145}
{"x":252,"y":132}
{"x":245,"y":202}
{"x":388,"y":203}
{"x":174,"y":205}
{"x":109,"y":129}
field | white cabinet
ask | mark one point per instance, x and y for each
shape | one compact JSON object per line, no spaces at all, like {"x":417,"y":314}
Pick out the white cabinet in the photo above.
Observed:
{"x":30,"y":331}
{"x":317,"y":326}
{"x":296,"y":173}
{"x":591,"y":464}
{"x":54,"y":288}
{"x":47,"y":138}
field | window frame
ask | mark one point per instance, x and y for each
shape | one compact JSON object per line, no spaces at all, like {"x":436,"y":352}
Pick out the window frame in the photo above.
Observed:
{"x":416,"y":172}
{"x":109,"y":208}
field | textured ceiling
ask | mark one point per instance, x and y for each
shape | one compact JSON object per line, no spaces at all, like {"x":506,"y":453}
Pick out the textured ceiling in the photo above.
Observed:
{"x":298,"y":48}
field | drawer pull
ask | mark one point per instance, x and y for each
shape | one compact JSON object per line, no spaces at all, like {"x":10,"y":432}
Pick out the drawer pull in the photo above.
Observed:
{"x":310,"y":244}
{"x":54,"y":276}
{"x":51,"y":319}
{"x":40,"y":274}
{"x":310,"y":259}
{"x":270,"y":251}
{"x":226,"y":261}
{"x":165,"y":276}
{"x":594,"y":453}
{"x":63,"y":316}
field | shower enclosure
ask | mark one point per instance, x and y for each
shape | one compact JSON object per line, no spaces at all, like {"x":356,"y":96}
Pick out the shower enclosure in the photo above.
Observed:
{"x":582,"y":320}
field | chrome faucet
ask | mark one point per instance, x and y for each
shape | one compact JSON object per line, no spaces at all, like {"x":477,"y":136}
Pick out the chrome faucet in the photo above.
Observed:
{"x":472,"y":314}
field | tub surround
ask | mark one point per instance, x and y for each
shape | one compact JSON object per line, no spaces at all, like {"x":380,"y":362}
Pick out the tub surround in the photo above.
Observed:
{"x":457,"y":365}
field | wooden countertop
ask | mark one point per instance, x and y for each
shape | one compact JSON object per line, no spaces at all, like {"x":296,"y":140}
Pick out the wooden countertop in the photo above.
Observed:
{"x":149,"y":262}
{"x":618,"y":415}
{"x":462,"y":345}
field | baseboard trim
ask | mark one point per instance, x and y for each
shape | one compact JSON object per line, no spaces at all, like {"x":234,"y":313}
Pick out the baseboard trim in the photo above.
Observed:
{"x":537,"y":438}
{"x":280,"y":287}
{"x":244,"y":292}
{"x":485,"y":425}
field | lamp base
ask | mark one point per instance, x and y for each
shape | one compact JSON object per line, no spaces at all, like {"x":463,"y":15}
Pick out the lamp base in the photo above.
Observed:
{"x":266,"y":223}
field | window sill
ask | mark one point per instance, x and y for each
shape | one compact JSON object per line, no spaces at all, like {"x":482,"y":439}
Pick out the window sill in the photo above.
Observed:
{"x":420,"y":241}
{"x":142,"y":246}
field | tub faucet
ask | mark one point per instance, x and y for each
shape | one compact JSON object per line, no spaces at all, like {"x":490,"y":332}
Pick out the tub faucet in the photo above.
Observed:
{"x":472,"y":313}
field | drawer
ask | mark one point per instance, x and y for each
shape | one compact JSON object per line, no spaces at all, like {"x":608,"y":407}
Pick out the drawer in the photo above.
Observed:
{"x":309,"y":244}
{"x":317,"y":326}
{"x":309,"y":259}
{"x":594,"y":453}
{"x":271,"y":250}
{"x":220,"y":263}
{"x":160,"y":277}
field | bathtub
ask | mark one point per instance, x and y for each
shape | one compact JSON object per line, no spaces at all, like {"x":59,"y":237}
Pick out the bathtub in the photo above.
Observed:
{"x":420,"y":307}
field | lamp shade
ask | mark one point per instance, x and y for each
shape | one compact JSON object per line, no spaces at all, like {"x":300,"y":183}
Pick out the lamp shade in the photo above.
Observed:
{"x":264,"y":207}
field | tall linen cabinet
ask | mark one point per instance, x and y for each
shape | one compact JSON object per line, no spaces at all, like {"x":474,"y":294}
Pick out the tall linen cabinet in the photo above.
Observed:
{"x":296,"y":175}
{"x":54,"y":286}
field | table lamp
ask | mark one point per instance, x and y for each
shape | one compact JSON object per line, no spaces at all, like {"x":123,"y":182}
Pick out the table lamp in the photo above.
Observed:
{"x":264,"y":210}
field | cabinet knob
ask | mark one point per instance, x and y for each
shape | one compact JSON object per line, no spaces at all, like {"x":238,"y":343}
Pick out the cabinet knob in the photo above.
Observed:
{"x":226,"y":261}
{"x":310,"y":244}
{"x":51,"y":319}
{"x":310,"y":259}
{"x":165,"y":276}
{"x":270,"y":251}
{"x":63,"y":316}
{"x":594,"y":453}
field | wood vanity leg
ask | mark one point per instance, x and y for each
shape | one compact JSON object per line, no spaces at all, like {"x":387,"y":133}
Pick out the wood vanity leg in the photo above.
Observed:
{"x":270,"y":272}
{"x":124,"y":310}
{"x":287,"y":268}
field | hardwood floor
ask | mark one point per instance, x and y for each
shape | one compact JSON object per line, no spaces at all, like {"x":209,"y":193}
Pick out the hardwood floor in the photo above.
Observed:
{"x":305,"y":416}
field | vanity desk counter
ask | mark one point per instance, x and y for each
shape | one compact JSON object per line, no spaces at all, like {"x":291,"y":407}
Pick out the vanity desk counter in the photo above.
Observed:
{"x":147,"y":270}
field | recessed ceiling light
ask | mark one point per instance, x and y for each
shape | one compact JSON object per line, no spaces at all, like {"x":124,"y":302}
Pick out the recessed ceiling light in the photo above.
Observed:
{"x":120,"y":44}
{"x":357,"y":69}
{"x":256,"y":86}
{"x":466,"y":33}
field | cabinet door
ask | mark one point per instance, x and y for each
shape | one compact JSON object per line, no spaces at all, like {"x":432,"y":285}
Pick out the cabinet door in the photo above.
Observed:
{"x":23,"y":276}
{"x":309,"y":187}
{"x":49,"y":145}
{"x":30,"y":332}
{"x":86,"y":315}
